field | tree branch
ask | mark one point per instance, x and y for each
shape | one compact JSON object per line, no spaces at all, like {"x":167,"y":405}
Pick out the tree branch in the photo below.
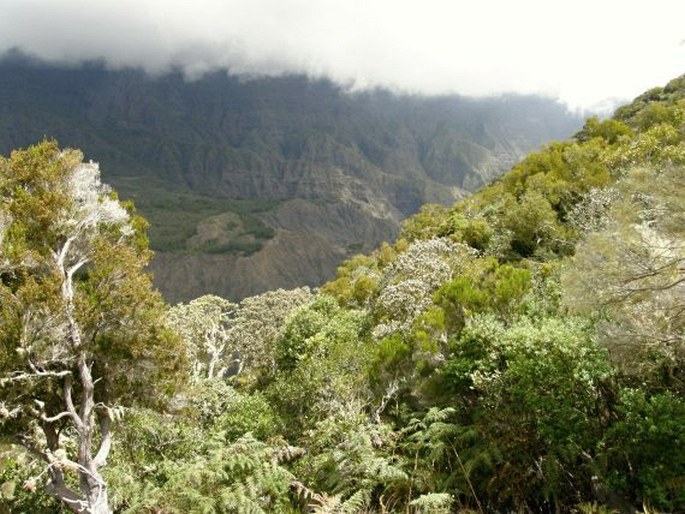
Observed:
{"x":69,"y":402}
{"x":43,"y":373}
{"x":59,"y":416}
{"x":62,"y":255}
{"x":652,"y":271}
{"x":106,"y":441}
{"x":625,"y":293}
{"x":392,"y":390}
{"x":19,"y":376}
{"x":70,"y":272}
{"x":56,"y":487}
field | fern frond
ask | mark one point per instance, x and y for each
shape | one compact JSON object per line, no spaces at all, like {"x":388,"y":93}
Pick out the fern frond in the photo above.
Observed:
{"x":433,"y":503}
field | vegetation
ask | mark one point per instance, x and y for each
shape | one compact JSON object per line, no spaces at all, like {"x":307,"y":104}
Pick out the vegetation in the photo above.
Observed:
{"x":218,"y":165}
{"x":79,"y":336}
{"x":522,"y":351}
{"x":177,"y":219}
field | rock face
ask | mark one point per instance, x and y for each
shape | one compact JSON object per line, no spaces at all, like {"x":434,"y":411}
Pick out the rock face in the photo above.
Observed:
{"x":258,"y":184}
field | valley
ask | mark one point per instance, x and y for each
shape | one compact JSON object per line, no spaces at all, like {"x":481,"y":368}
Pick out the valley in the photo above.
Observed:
{"x":255,"y":181}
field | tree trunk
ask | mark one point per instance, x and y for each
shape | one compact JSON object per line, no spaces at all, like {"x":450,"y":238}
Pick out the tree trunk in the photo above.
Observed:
{"x":98,"y":502}
{"x":91,"y":497}
{"x":91,"y":485}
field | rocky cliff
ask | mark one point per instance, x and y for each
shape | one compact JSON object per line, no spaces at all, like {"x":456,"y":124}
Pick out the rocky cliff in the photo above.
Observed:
{"x":255,"y":184}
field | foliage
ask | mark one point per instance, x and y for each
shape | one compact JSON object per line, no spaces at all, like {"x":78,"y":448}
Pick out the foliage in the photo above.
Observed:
{"x":349,"y":457}
{"x":17,"y":467}
{"x":357,"y":279}
{"x":250,"y":413}
{"x":244,"y":476}
{"x":637,"y":464}
{"x":320,"y":358}
{"x":204,"y":323}
{"x":80,"y":333}
{"x":487,"y":287}
{"x":634,"y":265}
{"x":156,"y":452}
{"x":531,"y":408}
{"x":256,"y":327}
{"x":521,"y":351}
{"x":241,"y":476}
{"x":408,"y":283}
{"x":436,"y":503}
{"x":429,"y":455}
{"x":425,"y":224}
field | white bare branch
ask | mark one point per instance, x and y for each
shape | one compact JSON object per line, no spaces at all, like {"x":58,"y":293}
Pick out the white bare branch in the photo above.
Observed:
{"x":20,"y":376}
{"x":57,"y":417}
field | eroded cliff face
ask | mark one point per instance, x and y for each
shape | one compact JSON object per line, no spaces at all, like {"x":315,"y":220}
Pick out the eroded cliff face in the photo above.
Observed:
{"x":289,"y":260}
{"x":311,"y":238}
{"x":259,"y":184}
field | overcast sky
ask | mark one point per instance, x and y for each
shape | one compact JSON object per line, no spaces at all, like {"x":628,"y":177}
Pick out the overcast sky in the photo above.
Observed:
{"x":581,"y":51}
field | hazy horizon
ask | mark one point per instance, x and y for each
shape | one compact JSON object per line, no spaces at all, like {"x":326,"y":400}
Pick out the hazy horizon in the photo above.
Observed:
{"x":587,"y":55}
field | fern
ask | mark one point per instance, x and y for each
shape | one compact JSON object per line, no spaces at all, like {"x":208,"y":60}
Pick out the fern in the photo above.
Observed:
{"x":355,"y":504}
{"x":433,"y":503}
{"x":594,"y":508}
{"x":349,"y":458}
{"x":245,"y":476}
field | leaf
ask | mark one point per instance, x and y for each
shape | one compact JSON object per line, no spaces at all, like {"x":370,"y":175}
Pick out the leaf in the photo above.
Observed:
{"x":7,"y":489}
{"x":433,"y":503}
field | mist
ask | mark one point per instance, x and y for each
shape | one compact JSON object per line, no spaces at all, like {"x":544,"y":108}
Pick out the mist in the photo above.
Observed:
{"x":582,"y":52}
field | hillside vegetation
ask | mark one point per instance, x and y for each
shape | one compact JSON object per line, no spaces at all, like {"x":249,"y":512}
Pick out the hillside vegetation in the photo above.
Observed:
{"x":287,"y":159}
{"x":521,"y":351}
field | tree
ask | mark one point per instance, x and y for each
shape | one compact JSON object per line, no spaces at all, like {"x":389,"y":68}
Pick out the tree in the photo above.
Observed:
{"x":320,"y":359}
{"x":258,"y":324}
{"x":635,"y":266}
{"x":80,"y":326}
{"x":239,"y":339}
{"x":409,"y":282}
{"x":204,"y":325}
{"x":644,"y":449}
{"x":425,"y":224}
{"x":530,"y":399}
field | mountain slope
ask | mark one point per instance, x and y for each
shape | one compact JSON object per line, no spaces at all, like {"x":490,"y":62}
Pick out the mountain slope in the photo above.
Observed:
{"x":223,"y":165}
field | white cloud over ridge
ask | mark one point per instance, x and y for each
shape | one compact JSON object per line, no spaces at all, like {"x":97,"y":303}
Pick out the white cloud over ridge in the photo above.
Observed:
{"x":582,"y":51}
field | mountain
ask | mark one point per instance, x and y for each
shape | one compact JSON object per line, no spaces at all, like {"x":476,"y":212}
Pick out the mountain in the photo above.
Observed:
{"x":257,"y":183}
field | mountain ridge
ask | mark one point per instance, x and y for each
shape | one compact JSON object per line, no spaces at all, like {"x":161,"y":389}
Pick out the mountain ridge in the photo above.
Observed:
{"x":282,"y":153}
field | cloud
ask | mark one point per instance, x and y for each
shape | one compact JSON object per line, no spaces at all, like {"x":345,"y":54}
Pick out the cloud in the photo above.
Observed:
{"x":582,"y":51}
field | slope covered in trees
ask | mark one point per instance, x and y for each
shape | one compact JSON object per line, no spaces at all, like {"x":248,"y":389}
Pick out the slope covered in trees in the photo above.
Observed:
{"x":520,"y":351}
{"x":237,"y":174}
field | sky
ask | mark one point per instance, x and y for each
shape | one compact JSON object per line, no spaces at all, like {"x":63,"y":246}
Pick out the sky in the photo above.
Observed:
{"x":587,"y":53}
